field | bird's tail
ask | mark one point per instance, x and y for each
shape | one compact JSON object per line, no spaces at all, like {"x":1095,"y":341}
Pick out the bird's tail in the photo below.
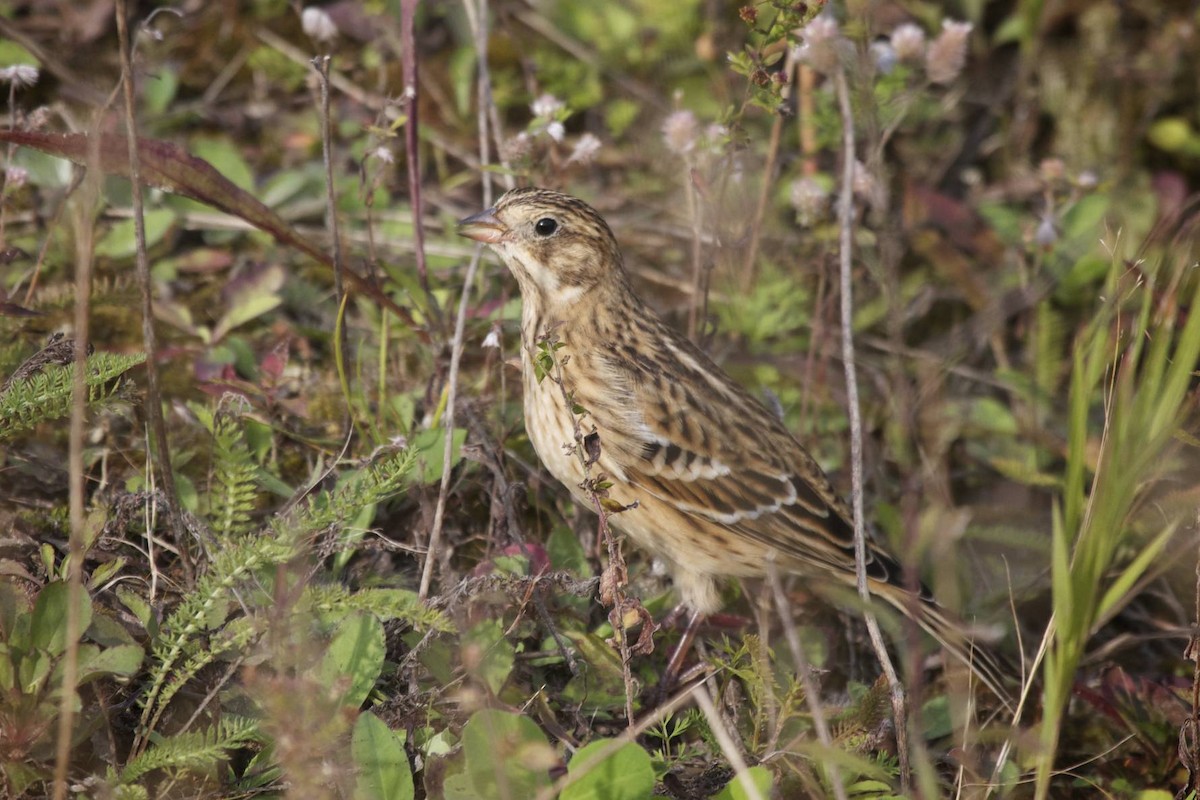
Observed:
{"x":984,"y":663}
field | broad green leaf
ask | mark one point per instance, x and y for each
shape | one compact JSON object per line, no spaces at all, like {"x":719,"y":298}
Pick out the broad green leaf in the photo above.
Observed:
{"x":760,"y":776}
{"x":48,"y":630}
{"x":122,"y":660}
{"x":429,"y":446}
{"x":120,"y":241}
{"x":382,"y":768}
{"x":566,"y":552}
{"x":626,"y":774}
{"x":509,"y":748}
{"x":487,"y":654}
{"x":356,"y":653}
{"x":226,"y":157}
{"x":256,"y":297}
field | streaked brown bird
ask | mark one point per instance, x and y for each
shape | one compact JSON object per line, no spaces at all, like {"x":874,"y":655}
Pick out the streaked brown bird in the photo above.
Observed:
{"x":721,"y":487}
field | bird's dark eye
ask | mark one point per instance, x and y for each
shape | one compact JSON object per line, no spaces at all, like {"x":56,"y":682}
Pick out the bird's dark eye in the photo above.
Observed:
{"x":545,"y":226}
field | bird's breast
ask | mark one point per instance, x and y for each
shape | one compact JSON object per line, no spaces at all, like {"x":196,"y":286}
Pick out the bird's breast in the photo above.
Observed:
{"x":551,"y":427}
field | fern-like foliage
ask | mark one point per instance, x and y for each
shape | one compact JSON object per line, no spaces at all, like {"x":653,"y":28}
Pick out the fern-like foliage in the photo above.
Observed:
{"x":387,"y":604}
{"x":233,"y":487}
{"x":46,"y":395}
{"x":199,"y":750}
{"x":197,"y":631}
{"x":203,"y":609}
{"x":53,"y":299}
{"x":374,"y":483}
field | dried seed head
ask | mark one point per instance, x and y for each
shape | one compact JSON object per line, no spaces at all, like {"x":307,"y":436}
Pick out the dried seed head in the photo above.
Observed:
{"x":947,"y":54}
{"x":585,"y":150}
{"x":821,"y":43}
{"x":908,"y":41}
{"x":810,"y":199}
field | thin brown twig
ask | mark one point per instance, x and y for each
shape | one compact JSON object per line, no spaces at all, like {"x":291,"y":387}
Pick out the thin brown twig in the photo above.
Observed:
{"x":456,"y":348}
{"x":477,"y":21}
{"x":321,"y":65}
{"x":153,"y":405}
{"x":412,"y":148}
{"x":84,"y":237}
{"x":456,"y":345}
{"x":760,"y":209}
{"x":845,"y":259}
{"x":812,"y":696}
{"x":728,"y":746}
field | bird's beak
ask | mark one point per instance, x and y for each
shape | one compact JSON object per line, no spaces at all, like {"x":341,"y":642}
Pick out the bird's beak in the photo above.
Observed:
{"x":483,"y":227}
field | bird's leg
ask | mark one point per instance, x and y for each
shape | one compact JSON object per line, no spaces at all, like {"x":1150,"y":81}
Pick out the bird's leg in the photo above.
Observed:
{"x":680,"y":654}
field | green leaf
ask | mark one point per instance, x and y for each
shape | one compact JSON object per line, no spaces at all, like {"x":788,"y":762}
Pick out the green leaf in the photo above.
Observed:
{"x":356,"y":653}
{"x":226,"y":157}
{"x":487,"y":654}
{"x":1084,"y":220}
{"x":383,"y":771}
{"x":503,"y":747}
{"x":48,"y":630}
{"x":626,"y":774}
{"x":123,"y":660}
{"x":13,"y":54}
{"x":429,"y":446}
{"x":760,"y":776}
{"x":258,"y":296}
{"x":120,"y":241}
{"x":566,"y":552}
{"x":602,"y":686}
{"x":158,"y":89}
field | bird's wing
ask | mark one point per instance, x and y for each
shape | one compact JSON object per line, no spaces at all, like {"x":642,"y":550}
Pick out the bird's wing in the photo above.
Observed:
{"x":697,"y":441}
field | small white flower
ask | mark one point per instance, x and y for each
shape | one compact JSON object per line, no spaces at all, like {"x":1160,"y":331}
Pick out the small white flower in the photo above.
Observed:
{"x":384,"y":154}
{"x":679,"y":131}
{"x":1087,"y":180}
{"x":317,"y":23}
{"x":492,"y":339}
{"x":820,"y":47}
{"x":1046,"y":234}
{"x":908,"y":41}
{"x":810,"y":200}
{"x":864,"y":183}
{"x":546,"y":106}
{"x":884,"y":56}
{"x":19,"y":75}
{"x":585,"y":149}
{"x":15,"y":177}
{"x":556,"y":131}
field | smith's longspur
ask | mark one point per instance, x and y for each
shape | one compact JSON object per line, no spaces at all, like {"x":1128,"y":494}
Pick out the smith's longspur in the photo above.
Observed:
{"x":721,"y":487}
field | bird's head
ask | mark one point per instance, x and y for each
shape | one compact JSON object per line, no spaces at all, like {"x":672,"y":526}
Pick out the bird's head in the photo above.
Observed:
{"x":558,"y":247}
